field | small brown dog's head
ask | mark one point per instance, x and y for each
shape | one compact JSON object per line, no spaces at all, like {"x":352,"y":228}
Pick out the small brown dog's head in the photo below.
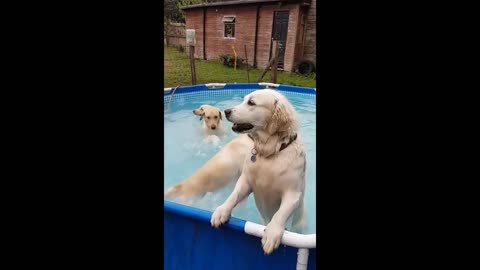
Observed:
{"x":210,"y":115}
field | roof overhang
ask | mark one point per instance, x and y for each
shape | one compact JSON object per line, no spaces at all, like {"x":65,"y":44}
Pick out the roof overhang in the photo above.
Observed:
{"x":246,"y":2}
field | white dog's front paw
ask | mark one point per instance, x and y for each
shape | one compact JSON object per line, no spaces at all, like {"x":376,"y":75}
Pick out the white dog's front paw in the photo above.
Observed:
{"x":272,"y":238}
{"x":220,"y":216}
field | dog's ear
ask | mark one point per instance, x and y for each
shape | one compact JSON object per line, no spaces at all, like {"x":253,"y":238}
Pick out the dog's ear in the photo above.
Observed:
{"x":220,"y":114}
{"x":282,"y":118}
{"x":201,"y":114}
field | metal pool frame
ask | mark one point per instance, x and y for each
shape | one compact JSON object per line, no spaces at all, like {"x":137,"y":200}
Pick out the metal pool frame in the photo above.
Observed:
{"x":191,"y":243}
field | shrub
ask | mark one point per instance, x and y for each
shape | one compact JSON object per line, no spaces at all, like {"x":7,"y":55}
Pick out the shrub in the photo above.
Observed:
{"x":305,"y":67}
{"x":229,"y":61}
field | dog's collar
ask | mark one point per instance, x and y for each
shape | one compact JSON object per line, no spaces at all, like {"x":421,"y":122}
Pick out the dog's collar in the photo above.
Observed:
{"x":284,"y":145}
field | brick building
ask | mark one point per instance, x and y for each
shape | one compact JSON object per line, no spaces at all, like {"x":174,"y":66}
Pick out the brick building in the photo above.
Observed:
{"x":219,"y":26}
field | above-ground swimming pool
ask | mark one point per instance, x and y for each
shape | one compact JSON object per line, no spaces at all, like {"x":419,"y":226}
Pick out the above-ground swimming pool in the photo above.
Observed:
{"x":186,"y":150}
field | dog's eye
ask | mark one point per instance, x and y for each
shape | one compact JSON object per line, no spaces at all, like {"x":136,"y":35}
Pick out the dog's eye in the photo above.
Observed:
{"x":208,"y":117}
{"x":251,"y":103}
{"x":216,"y":117}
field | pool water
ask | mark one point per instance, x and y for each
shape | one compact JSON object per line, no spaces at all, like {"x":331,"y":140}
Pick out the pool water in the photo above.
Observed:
{"x":186,"y":149}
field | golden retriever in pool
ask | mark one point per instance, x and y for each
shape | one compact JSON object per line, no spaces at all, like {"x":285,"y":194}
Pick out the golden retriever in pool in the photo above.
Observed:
{"x":212,"y":119}
{"x":274,"y":170}
{"x":222,"y":169}
{"x":267,"y":158}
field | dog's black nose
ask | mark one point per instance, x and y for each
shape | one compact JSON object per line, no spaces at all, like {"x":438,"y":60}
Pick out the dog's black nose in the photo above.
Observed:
{"x":214,"y":127}
{"x":228,"y":112}
{"x":193,"y":111}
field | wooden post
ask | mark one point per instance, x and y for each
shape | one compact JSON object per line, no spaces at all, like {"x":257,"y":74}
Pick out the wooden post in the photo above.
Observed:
{"x":246,"y":59}
{"x":273,"y":79}
{"x":266,"y":69}
{"x":192,"y":65}
{"x":274,"y":58}
{"x":235,"y":61}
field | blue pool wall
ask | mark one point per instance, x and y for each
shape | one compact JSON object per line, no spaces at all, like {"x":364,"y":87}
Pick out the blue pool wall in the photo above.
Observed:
{"x":189,"y":240}
{"x":191,"y":243}
{"x":242,"y":88}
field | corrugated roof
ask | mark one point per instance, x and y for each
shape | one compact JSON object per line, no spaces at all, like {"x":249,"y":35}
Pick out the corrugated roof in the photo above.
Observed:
{"x":241,"y":2}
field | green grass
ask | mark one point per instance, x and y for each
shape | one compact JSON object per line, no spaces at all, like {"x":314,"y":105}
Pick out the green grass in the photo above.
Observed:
{"x":177,"y":72}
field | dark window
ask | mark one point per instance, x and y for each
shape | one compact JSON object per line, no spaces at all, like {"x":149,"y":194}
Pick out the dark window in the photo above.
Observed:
{"x":229,"y":28}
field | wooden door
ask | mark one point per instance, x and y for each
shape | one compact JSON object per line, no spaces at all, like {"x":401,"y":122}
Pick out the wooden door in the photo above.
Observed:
{"x":279,"y":33}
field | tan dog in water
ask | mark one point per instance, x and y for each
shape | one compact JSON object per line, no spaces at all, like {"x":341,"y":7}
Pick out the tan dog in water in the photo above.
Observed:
{"x":275,"y":171}
{"x":212,"y":119}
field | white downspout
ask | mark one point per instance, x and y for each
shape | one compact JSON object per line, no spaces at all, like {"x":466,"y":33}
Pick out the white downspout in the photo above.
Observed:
{"x":302,"y":259}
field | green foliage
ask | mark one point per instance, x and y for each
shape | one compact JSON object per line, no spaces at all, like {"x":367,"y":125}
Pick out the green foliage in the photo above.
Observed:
{"x":229,"y":60}
{"x":183,"y":3}
{"x":177,"y":14}
{"x":171,"y":11}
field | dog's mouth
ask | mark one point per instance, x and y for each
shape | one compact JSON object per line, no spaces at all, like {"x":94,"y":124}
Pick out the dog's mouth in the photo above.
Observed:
{"x":241,"y":127}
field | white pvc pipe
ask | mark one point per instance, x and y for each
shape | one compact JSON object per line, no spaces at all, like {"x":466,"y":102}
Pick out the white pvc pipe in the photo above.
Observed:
{"x":302,"y":259}
{"x":289,"y":238}
{"x":166,"y":89}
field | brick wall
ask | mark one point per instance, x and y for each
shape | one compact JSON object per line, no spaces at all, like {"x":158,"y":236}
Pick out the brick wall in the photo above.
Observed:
{"x":310,"y":49}
{"x":194,"y":20}
{"x":244,"y":32}
{"x":217,"y":45}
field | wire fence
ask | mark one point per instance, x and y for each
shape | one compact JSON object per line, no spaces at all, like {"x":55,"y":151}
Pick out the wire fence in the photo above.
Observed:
{"x":174,"y":34}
